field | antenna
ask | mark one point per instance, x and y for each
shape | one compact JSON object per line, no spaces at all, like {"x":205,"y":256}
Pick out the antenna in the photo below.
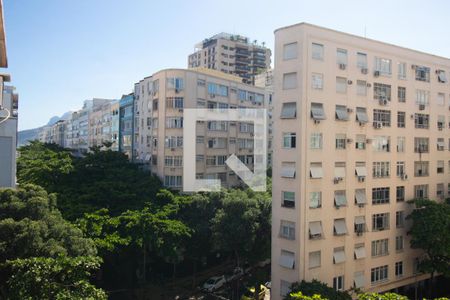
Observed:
{"x":365,"y":29}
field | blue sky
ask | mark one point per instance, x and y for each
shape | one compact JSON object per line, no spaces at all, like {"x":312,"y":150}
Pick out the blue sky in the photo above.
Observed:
{"x":62,"y":52}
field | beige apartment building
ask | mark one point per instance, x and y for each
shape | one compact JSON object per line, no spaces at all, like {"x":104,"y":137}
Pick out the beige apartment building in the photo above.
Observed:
{"x":161,"y":99}
{"x":361,"y":126}
{"x":231,"y":54}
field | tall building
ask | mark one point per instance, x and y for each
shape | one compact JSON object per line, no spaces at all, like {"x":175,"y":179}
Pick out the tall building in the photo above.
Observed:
{"x":126,"y":125}
{"x":8,"y":118}
{"x":265,"y":80}
{"x":360,"y":129}
{"x":231,"y":54}
{"x":161,"y":99}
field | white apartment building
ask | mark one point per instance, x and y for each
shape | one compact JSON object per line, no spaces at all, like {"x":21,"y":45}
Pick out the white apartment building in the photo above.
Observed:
{"x":361,"y":126}
{"x":231,"y":54}
{"x":161,"y":99}
{"x":265,"y":80}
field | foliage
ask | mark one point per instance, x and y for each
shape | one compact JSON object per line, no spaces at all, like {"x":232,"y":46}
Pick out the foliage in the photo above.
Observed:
{"x":300,"y":296}
{"x":386,"y":296}
{"x":430,"y":231}
{"x":43,"y":164}
{"x":30,"y":225}
{"x":316,"y":287}
{"x":53,"y":278}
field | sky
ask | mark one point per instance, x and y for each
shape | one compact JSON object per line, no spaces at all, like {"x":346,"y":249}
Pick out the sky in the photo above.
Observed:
{"x":62,"y":52}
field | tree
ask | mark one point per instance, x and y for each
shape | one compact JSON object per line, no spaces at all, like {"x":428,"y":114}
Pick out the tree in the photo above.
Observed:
{"x":43,"y":164}
{"x":430,"y":231}
{"x":316,"y":287}
{"x":53,"y":278}
{"x":386,"y":296}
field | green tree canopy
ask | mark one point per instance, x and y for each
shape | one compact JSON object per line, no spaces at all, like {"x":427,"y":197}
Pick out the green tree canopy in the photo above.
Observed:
{"x":316,"y":287}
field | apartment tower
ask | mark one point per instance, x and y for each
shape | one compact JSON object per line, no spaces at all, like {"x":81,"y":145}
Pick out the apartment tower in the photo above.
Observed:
{"x":361,"y":126}
{"x":231,"y":54}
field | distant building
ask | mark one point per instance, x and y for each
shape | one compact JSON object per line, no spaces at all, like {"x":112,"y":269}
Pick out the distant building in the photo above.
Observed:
{"x":126,"y":125}
{"x":266,"y":81}
{"x":115,"y":121}
{"x":231,"y":54}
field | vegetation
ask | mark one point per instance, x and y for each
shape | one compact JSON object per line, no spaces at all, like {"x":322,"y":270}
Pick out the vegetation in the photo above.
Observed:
{"x":315,"y":288}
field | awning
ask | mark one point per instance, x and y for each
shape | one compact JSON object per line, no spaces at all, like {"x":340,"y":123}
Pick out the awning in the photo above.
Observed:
{"x":360,"y":252}
{"x":340,"y":227}
{"x":288,"y":171}
{"x":289,"y":110}
{"x":360,"y":196}
{"x":287,"y":259}
{"x":360,"y":220}
{"x":147,"y":157}
{"x":341,"y":112}
{"x":339,"y":172}
{"x":317,"y":112}
{"x":361,"y":115}
{"x":316,"y":172}
{"x":441,"y":143}
{"x":340,"y":200}
{"x":315,"y":228}
{"x":339,"y":256}
{"x":361,"y":171}
{"x":442,"y":76}
{"x":359,"y":280}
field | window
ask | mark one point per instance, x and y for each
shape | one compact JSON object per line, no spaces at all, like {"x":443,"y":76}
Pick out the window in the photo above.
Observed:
{"x":288,"y":199}
{"x":380,"y":195}
{"x":440,"y":167}
{"x":381,"y":169}
{"x":341,"y":56}
{"x":338,"y":283}
{"x":360,"y":142}
{"x":289,"y":81}
{"x":422,"y":97}
{"x":442,"y":78}
{"x":155,"y":104}
{"x":285,"y":288}
{"x":315,"y":140}
{"x":360,"y":169}
{"x":360,"y":251}
{"x":380,"y":222}
{"x":441,"y":122}
{"x":400,"y":168}
{"x":287,"y":230}
{"x":440,"y":191}
{"x":315,"y":230}
{"x":401,"y":116}
{"x":340,"y":199}
{"x":440,"y":99}
{"x":380,"y":247}
{"x":361,"y":87}
{"x":401,"y":71}
{"x":399,"y":243}
{"x":174,"y":102}
{"x":399,"y":269}
{"x":201,"y":82}
{"x":314,"y":259}
{"x":421,"y":191}
{"x":173,"y":181}
{"x":289,"y":110}
{"x":175,"y":83}
{"x":174,"y":122}
{"x":338,"y":255}
{"x":422,"y":73}
{"x":381,"y":117}
{"x":399,"y":219}
{"x":440,"y":144}
{"x":421,"y":145}
{"x":317,"y":112}
{"x":361,"y":60}
{"x":421,"y":168}
{"x":339,"y":228}
{"x":289,"y":140}
{"x":379,"y":274}
{"x":400,"y":194}
{"x":287,"y":259}
{"x":422,"y":121}
{"x":381,"y":91}
{"x":317,"y":51}
{"x":217,"y":126}
{"x":341,"y":141}
{"x":401,"y":94}
{"x":383,"y":66}
{"x":341,"y":85}
{"x":173,"y":142}
{"x":341,"y":113}
{"x":358,"y":279}
{"x":360,"y":224}
{"x":315,"y":199}
{"x":360,"y":197}
{"x":290,"y":51}
{"x":400,"y":144}
{"x":381,"y":144}
{"x":317,"y":81}
{"x":288,"y":169}
{"x":316,"y":170}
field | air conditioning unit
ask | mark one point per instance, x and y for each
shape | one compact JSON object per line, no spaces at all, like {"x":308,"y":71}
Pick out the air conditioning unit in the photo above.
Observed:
{"x":180,"y":110}
{"x":349,"y":110}
{"x":172,"y":149}
{"x":383,"y":101}
{"x":368,"y":85}
{"x":378,"y":125}
{"x":177,"y":91}
{"x":361,"y":205}
{"x":376,"y":73}
{"x":252,"y":134}
{"x":212,"y":95}
{"x":337,"y":179}
{"x":349,"y":82}
{"x":349,"y":141}
{"x":364,"y":70}
{"x":413,"y":67}
{"x":369,"y":141}
{"x":404,"y":177}
{"x":422,"y":107}
{"x":361,"y":178}
{"x":359,"y":233}
{"x":316,"y":121}
{"x":342,"y":66}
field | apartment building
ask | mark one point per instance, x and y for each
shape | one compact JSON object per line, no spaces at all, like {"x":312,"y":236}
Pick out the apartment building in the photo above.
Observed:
{"x":161,"y":99}
{"x":231,"y":54}
{"x":362,"y":126}
{"x":265,"y":80}
{"x":101,"y":125}
{"x":126,"y":125}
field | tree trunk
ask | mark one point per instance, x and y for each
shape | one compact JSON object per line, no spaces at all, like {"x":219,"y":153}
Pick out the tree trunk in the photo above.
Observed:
{"x":237,"y":258}
{"x":174,"y":270}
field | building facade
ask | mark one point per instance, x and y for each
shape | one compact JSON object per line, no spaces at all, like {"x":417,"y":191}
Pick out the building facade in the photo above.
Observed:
{"x":265,"y":80}
{"x":231,"y":54}
{"x":126,"y":125}
{"x":361,"y":127}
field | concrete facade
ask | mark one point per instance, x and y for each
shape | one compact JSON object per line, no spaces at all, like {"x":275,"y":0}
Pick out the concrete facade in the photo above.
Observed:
{"x":361,"y":127}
